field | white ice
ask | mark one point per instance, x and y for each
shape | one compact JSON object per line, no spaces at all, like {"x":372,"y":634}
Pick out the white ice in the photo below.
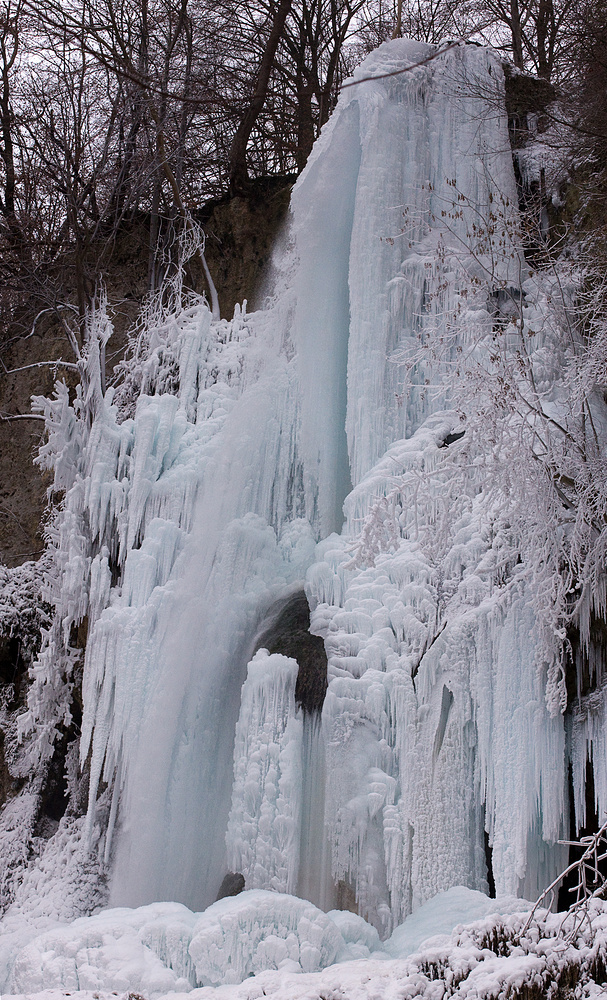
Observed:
{"x":164,"y":947}
{"x":212,"y":484}
{"x":120,"y":951}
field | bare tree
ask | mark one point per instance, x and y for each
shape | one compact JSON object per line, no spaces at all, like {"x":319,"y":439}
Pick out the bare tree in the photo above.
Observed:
{"x":239,"y":176}
{"x":537,"y":33}
{"x":313,"y":62}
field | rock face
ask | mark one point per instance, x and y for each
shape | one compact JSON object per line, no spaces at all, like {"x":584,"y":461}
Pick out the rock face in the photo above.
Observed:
{"x":22,"y":487}
{"x":232,"y":885}
{"x":240,"y":236}
{"x":526,"y":96}
{"x":290,"y":635}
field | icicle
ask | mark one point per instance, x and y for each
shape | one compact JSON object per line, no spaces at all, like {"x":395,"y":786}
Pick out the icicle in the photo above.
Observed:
{"x":113,"y":812}
{"x":195,"y":493}
{"x":265,"y":818}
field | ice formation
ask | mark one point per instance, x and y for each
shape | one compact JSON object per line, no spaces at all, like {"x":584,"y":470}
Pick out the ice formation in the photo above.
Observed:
{"x":212,"y":483}
{"x":164,"y":950}
{"x":236,"y":938}
{"x":144,"y":949}
{"x":264,"y":826}
{"x":164,"y":947}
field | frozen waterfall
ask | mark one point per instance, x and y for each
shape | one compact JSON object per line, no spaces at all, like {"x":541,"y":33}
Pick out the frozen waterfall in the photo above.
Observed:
{"x":433,"y":754}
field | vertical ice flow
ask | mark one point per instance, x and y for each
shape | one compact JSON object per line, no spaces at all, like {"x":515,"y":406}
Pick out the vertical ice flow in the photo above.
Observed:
{"x":203,"y":504}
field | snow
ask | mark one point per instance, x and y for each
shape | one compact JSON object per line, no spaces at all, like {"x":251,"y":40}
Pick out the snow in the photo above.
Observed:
{"x":441,"y":914}
{"x":274,"y":936}
{"x":361,"y":939}
{"x":22,"y":614}
{"x":142,"y":950}
{"x":165,"y":947}
{"x":236,"y":463}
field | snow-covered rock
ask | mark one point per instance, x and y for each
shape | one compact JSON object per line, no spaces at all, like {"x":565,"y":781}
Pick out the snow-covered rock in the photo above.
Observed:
{"x":259,"y":930}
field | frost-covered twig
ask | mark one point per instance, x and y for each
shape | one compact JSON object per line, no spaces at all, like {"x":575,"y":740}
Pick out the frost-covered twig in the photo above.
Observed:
{"x":591,"y":884}
{"x":7,"y":417}
{"x":57,"y":363}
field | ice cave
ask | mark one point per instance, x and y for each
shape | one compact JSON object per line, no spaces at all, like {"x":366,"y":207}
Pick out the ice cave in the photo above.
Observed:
{"x":358,"y":727}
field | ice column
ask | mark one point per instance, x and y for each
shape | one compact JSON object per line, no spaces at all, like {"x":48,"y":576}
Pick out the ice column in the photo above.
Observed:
{"x":264,"y":824}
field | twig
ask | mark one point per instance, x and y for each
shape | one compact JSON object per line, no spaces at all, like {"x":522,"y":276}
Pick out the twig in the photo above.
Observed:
{"x":422,"y":62}
{"x":42,"y":364}
{"x":405,"y":69}
{"x":21,"y":416}
{"x":588,"y":862}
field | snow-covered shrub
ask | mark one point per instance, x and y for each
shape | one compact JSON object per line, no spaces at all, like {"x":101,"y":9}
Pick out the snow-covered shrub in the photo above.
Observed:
{"x":151,"y":365}
{"x":24,"y":615}
{"x":89,"y":443}
{"x":589,"y":886}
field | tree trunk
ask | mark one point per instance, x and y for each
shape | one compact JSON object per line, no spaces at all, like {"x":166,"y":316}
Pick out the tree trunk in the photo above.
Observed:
{"x":305,"y":122}
{"x":239,"y":175}
{"x":517,"y":34}
{"x":154,"y":230}
{"x":7,"y":204}
{"x":398,"y":27}
{"x":545,"y":21}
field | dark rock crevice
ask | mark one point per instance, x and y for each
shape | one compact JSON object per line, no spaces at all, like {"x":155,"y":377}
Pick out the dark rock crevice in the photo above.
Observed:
{"x":289,"y":633}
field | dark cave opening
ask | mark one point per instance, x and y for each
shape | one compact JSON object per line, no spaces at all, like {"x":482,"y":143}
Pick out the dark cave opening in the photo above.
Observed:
{"x":489,"y":861}
{"x":586,"y":670}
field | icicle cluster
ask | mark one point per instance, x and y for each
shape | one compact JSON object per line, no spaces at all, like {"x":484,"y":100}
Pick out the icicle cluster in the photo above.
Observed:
{"x":403,"y":359}
{"x":264,"y":827}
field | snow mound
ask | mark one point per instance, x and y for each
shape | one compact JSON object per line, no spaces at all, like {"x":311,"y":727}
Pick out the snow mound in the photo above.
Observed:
{"x":240,"y":936}
{"x":442,"y":914}
{"x":263,"y":944}
{"x":166,"y":948}
{"x":361,"y":938}
{"x":143,"y":950}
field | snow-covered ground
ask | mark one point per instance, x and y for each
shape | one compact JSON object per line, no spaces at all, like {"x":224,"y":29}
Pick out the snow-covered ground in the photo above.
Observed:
{"x":270,"y":944}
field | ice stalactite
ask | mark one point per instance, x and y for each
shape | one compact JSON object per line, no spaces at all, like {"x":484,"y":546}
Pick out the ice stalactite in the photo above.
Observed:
{"x":437,"y":726}
{"x":315,"y":880}
{"x":209,"y":489}
{"x":133,"y":471}
{"x":435,"y":157}
{"x":276,"y":833}
{"x":588,"y":738}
